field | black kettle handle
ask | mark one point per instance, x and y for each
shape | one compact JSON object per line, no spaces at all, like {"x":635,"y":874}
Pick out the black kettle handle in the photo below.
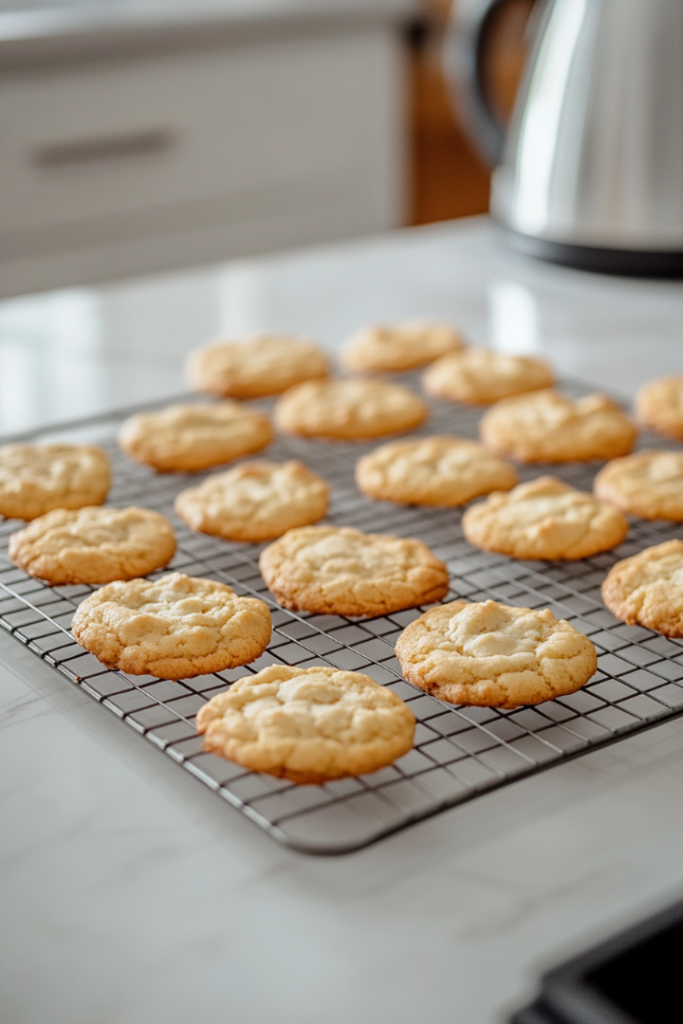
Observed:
{"x":463,"y":67}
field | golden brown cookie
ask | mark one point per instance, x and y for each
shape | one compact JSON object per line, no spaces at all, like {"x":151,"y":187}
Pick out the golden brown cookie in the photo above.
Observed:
{"x":174,"y":628}
{"x":433,"y":471}
{"x":401,"y":347}
{"x":93,"y":545}
{"x":349,"y":410}
{"x":35,"y":478}
{"x":494,"y":655}
{"x":308,"y":725}
{"x":648,"y":484}
{"x":266,"y":365}
{"x":547,"y":427}
{"x":544,"y":519}
{"x":255,"y":501}
{"x":480,"y":377}
{"x":647,"y":589}
{"x":340,"y":571}
{"x":187,"y":438}
{"x":659,"y":406}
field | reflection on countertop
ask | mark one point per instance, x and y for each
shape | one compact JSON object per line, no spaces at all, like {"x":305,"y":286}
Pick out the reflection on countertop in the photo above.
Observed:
{"x":78,"y":352}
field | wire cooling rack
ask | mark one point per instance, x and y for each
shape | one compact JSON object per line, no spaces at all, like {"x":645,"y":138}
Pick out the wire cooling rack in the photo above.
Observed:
{"x":459,"y":752}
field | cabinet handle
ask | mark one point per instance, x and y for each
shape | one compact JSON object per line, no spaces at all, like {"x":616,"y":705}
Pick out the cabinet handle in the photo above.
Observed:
{"x":100,"y":150}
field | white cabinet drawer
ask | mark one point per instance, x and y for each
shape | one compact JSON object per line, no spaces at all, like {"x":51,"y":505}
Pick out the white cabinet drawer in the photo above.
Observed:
{"x":88,"y":151}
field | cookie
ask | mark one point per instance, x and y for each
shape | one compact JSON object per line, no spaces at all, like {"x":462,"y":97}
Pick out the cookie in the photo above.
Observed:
{"x":93,"y":545}
{"x":398,"y":348}
{"x":647,"y":589}
{"x":544,"y":519}
{"x":267,"y":365}
{"x":481,"y":377}
{"x":648,"y":484}
{"x":547,"y":427}
{"x":433,"y":471}
{"x":35,"y":478}
{"x":255,"y":501}
{"x":494,"y":655}
{"x":188,"y":438}
{"x":308,"y":725}
{"x":659,"y":406}
{"x":175,"y":628}
{"x":340,"y":571}
{"x":349,"y":410}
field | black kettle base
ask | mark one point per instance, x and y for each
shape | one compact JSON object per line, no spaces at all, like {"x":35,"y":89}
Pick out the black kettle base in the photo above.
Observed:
{"x":658,"y":263}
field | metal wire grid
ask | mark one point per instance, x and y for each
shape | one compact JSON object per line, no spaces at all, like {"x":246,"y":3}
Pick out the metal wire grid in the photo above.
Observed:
{"x":459,"y":752}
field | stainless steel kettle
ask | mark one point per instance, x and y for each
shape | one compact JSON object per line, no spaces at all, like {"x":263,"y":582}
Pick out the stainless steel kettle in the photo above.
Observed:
{"x":592,"y":166}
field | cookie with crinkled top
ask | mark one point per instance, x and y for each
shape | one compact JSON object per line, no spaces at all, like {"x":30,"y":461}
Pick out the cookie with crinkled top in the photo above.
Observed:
{"x":659,"y":406}
{"x":647,"y":589}
{"x":175,"y":627}
{"x":648,"y":484}
{"x":393,"y":349}
{"x":255,"y":501}
{"x":446,"y":471}
{"x":255,"y":368}
{"x":341,"y":571}
{"x":544,"y":426}
{"x":308,"y":725}
{"x":192,"y":437}
{"x":35,"y":478}
{"x":93,"y":545}
{"x":544,"y":519}
{"x":494,"y":655}
{"x":349,"y":410}
{"x":480,"y":377}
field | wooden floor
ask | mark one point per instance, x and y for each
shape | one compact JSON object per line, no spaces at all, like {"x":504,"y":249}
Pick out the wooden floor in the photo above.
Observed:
{"x":448,"y":178}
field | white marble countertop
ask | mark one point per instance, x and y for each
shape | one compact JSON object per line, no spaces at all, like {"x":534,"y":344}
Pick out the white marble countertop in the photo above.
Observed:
{"x":130,"y":894}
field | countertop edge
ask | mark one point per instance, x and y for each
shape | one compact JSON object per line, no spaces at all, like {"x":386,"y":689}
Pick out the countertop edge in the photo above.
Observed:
{"x":46,"y":36}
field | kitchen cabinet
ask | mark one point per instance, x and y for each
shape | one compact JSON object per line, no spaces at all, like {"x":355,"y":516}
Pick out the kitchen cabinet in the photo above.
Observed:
{"x":129,"y":148}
